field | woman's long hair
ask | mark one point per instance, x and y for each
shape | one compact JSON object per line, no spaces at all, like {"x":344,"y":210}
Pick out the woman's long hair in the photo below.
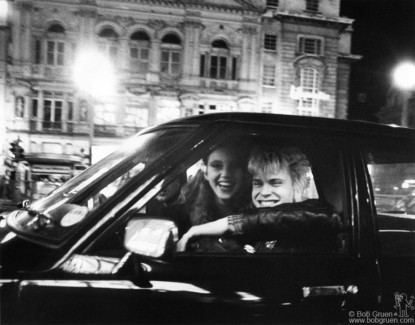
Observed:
{"x":199,"y":198}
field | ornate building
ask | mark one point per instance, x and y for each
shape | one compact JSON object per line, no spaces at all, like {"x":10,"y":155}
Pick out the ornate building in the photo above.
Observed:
{"x":172,"y":59}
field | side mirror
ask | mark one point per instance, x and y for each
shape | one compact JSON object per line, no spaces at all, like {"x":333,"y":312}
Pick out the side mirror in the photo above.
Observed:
{"x":155,"y":238}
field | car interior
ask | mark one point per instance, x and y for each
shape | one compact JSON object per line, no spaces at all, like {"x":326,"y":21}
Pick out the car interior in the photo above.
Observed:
{"x":326,"y":183}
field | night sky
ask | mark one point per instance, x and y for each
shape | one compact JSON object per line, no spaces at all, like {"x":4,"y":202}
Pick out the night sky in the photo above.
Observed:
{"x":384,"y":33}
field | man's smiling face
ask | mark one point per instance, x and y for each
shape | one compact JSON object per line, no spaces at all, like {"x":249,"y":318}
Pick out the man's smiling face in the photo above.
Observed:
{"x":272,"y":188}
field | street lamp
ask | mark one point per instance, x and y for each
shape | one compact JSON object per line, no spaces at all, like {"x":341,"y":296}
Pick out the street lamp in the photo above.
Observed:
{"x":404,"y":80}
{"x":93,"y":74}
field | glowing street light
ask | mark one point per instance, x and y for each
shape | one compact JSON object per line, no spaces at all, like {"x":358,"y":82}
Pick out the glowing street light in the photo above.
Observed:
{"x":404,"y":79}
{"x":93,"y":73}
{"x":4,"y":10}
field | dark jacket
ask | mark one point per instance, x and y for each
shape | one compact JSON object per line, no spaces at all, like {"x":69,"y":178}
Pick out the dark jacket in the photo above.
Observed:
{"x":308,"y":226}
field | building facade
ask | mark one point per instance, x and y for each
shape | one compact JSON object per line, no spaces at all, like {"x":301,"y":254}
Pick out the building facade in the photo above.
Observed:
{"x":399,"y":108}
{"x":172,"y":59}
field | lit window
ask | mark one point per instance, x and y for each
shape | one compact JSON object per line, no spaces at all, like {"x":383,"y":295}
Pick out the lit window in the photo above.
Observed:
{"x":139,"y":52}
{"x":309,"y":82}
{"x":167,"y":113}
{"x":272,"y":3}
{"x":308,"y":45}
{"x":268,"y":76}
{"x":105,"y":114}
{"x":312,"y":5}
{"x":171,"y":55}
{"x":136,"y":116}
{"x":270,"y":42}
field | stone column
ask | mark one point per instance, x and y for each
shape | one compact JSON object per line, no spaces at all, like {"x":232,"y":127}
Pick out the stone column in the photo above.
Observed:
{"x":124,"y":55}
{"x":249,"y":58}
{"x":253,"y":71}
{"x":245,"y":54}
{"x":65,"y":113}
{"x":17,"y":35}
{"x":40,"y":111}
{"x":191,"y":50}
{"x":87,"y":24}
{"x":197,"y":30}
{"x":154,"y":68}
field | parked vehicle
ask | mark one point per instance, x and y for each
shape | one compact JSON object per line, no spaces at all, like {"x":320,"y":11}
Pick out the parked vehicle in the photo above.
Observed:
{"x":89,"y":252}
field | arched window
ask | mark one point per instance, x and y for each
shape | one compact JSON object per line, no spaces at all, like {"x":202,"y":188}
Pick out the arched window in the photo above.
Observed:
{"x":220,"y":44}
{"x":109,"y":33}
{"x":218,"y":62}
{"x":309,"y":81}
{"x":139,"y":52}
{"x":56,"y":28}
{"x":171,"y":49}
{"x":51,"y":49}
{"x":109,"y":42}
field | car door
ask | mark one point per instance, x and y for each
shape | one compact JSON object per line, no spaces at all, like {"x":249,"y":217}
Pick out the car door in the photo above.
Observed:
{"x":390,"y":166}
{"x":308,"y":287}
{"x":222,"y":287}
{"x":288,"y":286}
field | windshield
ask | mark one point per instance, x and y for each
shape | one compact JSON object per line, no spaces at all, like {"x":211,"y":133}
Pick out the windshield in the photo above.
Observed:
{"x":71,"y":205}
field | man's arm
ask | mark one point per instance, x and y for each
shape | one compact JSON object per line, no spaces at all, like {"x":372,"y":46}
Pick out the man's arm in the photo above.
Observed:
{"x":308,"y":220}
{"x":311,"y":218}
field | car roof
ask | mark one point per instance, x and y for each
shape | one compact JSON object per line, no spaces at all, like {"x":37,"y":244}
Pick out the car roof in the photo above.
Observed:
{"x":329,"y":124}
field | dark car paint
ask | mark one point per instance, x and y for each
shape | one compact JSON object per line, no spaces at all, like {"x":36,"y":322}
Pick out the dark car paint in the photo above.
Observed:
{"x":279,"y":288}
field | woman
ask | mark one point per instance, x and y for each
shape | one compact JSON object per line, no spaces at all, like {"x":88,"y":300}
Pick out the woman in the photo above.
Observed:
{"x":219,"y":189}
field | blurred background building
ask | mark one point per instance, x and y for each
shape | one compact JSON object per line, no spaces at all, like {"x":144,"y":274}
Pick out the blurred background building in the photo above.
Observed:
{"x":170,"y":59}
{"x":399,"y":108}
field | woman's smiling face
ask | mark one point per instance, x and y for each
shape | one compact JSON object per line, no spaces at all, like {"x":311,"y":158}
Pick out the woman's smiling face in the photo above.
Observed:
{"x":224,"y":172}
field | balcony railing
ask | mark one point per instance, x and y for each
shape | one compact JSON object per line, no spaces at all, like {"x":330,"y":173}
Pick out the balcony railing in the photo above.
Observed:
{"x":82,"y":128}
{"x":221,"y":84}
{"x":50,"y":71}
{"x":59,"y":127}
{"x":115,"y":130}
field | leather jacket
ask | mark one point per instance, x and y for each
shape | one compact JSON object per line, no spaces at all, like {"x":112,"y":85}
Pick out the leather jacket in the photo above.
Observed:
{"x":308,"y":226}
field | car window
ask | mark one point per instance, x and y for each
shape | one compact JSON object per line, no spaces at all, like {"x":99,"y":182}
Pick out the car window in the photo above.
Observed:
{"x":57,"y":216}
{"x":325,"y":182}
{"x":391,"y":168}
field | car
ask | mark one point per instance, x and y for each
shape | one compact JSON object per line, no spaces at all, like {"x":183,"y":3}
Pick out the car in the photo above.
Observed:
{"x":90,"y":252}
